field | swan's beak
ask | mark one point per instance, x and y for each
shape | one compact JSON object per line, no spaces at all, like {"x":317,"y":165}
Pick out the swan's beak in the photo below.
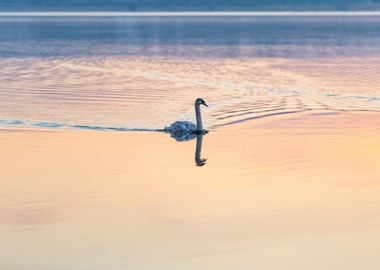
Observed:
{"x":204,"y":103}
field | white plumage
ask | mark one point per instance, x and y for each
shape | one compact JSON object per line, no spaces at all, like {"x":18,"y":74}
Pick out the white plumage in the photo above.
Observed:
{"x":182,"y":126}
{"x":185,"y":130}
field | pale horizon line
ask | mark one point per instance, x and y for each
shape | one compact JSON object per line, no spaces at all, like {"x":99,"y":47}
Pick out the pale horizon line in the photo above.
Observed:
{"x":188,"y":13}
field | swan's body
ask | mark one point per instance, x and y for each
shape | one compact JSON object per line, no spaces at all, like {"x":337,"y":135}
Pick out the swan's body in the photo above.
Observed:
{"x":182,"y":126}
{"x":186,"y":130}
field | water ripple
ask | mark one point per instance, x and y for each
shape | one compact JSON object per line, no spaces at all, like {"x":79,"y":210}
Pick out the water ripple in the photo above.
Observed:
{"x":150,"y":93}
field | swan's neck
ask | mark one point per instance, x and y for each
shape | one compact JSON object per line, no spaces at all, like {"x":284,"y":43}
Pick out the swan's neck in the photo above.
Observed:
{"x":198,"y":117}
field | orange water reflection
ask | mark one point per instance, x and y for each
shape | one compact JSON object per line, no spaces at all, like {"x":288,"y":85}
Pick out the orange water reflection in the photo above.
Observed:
{"x":293,"y":192}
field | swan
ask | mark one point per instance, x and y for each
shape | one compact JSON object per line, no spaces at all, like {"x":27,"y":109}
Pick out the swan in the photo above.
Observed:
{"x":188,"y":129}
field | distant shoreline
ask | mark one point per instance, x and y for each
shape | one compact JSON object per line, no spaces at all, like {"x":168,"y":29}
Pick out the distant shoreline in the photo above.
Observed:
{"x":191,"y":14}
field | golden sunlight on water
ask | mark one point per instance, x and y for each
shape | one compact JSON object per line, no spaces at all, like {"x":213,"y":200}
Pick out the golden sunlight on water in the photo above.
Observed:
{"x":298,"y":192}
{"x":287,"y":178}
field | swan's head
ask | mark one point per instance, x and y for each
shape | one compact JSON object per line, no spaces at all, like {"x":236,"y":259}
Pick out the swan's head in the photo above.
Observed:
{"x":200,"y":101}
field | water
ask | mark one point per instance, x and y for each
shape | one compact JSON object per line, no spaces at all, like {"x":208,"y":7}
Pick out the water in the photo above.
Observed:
{"x":144,"y":73}
{"x":301,"y":193}
{"x":287,"y":178}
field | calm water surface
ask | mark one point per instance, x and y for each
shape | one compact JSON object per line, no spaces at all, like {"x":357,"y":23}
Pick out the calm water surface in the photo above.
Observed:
{"x":145,"y":72}
{"x":290,"y":175}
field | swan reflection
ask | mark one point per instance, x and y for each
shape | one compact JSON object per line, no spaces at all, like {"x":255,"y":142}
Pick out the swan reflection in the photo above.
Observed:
{"x":186,"y":136}
{"x":199,"y":161}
